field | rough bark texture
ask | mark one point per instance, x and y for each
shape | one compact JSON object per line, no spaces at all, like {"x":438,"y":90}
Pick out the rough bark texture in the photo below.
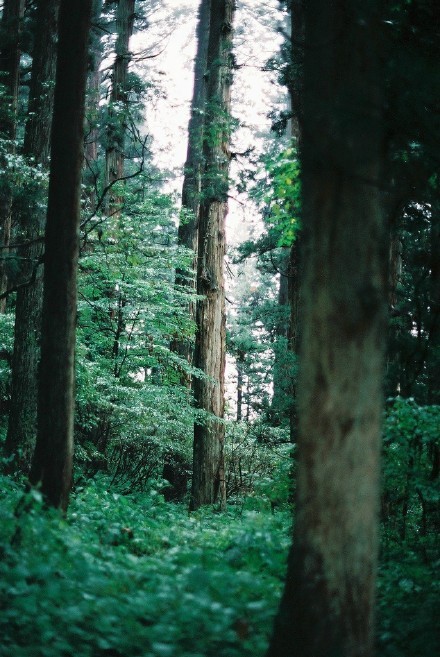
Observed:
{"x":187,"y":232}
{"x":9,"y":68}
{"x":22,"y":427}
{"x":52,"y":462}
{"x":328,"y":603}
{"x":208,"y":484}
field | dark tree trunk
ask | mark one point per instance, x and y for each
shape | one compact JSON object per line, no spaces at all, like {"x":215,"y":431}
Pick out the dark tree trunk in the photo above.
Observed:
{"x":240,"y":383}
{"x":93,"y":96}
{"x":22,"y":428}
{"x":208,"y":484}
{"x":52,"y":462}
{"x":187,"y":232}
{"x":327,"y":609}
{"x":9,"y":67}
{"x":282,"y":370}
{"x":294,"y":325}
{"x":433,"y":366}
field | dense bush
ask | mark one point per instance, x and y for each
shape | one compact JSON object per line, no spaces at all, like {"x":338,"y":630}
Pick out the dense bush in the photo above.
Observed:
{"x":134,"y":575}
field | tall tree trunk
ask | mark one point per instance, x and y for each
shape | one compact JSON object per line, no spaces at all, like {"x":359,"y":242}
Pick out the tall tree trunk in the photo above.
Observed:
{"x":187,"y":232}
{"x":208,"y":484}
{"x":22,"y":427}
{"x":93,"y":97}
{"x":9,"y":67}
{"x":239,"y":358}
{"x":433,"y":365}
{"x":296,"y":93}
{"x":52,"y":462}
{"x":327,"y":607}
{"x":282,"y":370}
{"x":118,"y":107}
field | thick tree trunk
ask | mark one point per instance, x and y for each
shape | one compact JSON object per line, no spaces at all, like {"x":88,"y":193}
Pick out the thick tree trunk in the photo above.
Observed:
{"x":9,"y":67}
{"x":327,"y":609}
{"x":52,"y":462}
{"x":22,"y":428}
{"x":187,"y":232}
{"x":208,"y":484}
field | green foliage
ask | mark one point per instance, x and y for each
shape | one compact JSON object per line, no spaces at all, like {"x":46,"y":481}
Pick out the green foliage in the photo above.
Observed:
{"x":6,"y":349}
{"x":409,"y":586}
{"x":216,"y":139}
{"x":411,"y":483}
{"x":132,"y":575}
{"x":408,"y":595}
{"x":258,"y":464}
{"x":283,"y":196}
{"x":131,"y":407}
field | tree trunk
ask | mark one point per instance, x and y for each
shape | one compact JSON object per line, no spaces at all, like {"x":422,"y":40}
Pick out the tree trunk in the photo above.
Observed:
{"x":208,"y":484}
{"x":9,"y":67}
{"x":240,"y":383}
{"x":52,"y":462}
{"x":187,"y":232}
{"x":327,"y":609}
{"x":282,"y":370}
{"x":433,"y":365}
{"x":118,"y":107}
{"x":22,"y":427}
{"x":93,"y":97}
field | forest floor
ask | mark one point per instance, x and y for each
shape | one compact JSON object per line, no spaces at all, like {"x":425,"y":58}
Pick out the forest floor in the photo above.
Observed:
{"x":133,"y":575}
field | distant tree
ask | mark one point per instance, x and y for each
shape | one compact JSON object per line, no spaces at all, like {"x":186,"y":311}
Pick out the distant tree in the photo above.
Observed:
{"x":412,"y":193}
{"x":93,"y":97}
{"x":191,"y":190}
{"x":52,"y":461}
{"x":10,"y":28}
{"x":328,"y":603}
{"x":208,"y":483}
{"x":118,"y":106}
{"x":22,"y":427}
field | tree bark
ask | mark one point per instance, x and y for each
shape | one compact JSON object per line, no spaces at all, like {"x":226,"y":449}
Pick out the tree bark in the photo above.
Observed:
{"x":239,"y":358}
{"x":9,"y":66}
{"x":52,"y":462}
{"x":208,"y":484}
{"x":188,"y":226}
{"x":93,"y":97}
{"x":22,"y":427}
{"x":282,"y":371}
{"x":327,"y":609}
{"x":118,"y":107}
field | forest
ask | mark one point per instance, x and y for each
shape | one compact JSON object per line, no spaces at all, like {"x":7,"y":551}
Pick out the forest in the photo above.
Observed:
{"x":219,"y":328}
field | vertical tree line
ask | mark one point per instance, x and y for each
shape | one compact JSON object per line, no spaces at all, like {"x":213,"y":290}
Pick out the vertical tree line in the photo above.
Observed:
{"x":52,"y":461}
{"x":10,"y":30}
{"x":23,"y":411}
{"x":208,"y":483}
{"x":328,"y":602}
{"x":368,"y":173}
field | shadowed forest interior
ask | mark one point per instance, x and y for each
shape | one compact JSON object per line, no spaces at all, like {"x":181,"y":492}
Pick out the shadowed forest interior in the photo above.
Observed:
{"x":219,"y":328}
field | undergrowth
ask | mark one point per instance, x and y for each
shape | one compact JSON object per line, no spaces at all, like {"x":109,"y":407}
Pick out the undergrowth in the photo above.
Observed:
{"x":132,"y":575}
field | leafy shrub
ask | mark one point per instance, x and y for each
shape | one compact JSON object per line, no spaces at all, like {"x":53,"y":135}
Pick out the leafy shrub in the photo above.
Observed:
{"x":134,"y":575}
